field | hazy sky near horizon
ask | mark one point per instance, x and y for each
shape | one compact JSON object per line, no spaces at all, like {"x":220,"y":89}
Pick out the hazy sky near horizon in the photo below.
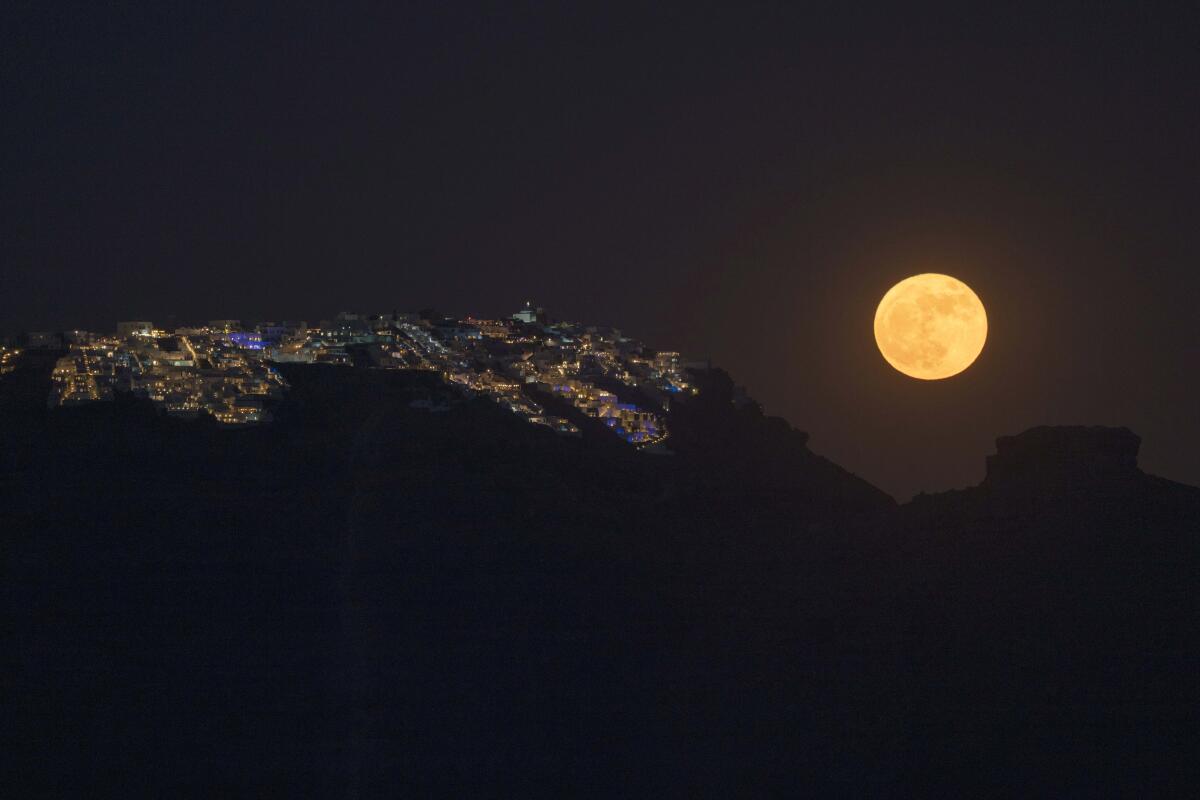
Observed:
{"x":742,"y":183}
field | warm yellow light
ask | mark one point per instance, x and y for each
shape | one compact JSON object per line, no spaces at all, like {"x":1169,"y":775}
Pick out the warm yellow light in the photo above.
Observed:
{"x":930,"y":326}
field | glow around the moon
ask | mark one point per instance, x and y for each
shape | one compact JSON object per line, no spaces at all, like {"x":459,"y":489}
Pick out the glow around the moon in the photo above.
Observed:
{"x":930,"y":326}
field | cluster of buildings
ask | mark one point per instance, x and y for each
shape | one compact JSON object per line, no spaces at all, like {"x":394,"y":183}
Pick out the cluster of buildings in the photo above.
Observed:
{"x":522,"y":363}
{"x":186,"y":373}
{"x":516,"y":360}
{"x":8,"y":359}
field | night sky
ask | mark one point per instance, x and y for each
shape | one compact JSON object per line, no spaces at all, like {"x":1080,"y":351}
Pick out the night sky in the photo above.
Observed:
{"x":740,"y":184}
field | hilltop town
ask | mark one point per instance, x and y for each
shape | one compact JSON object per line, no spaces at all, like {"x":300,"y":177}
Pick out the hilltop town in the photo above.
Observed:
{"x":228,"y":369}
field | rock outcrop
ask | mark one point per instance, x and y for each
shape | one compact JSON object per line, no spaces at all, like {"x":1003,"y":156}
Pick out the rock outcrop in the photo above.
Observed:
{"x":1062,"y":458}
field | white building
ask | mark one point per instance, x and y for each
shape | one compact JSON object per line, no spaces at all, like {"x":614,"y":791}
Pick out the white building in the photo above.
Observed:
{"x":136,"y":328}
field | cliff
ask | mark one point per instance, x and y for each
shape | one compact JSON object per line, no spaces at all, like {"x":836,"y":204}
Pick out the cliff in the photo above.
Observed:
{"x":368,"y":599}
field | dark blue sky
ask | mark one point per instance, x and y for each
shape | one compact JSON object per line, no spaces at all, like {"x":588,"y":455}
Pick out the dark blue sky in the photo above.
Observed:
{"x":737,"y":183}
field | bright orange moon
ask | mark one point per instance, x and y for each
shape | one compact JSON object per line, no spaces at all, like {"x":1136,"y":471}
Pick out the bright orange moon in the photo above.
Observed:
{"x":930,"y":326}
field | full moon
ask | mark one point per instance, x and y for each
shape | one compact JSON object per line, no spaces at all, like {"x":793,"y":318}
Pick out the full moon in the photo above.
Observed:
{"x":930,"y":326}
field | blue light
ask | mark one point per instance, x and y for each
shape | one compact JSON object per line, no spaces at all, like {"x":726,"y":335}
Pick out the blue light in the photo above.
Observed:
{"x":248,"y":341}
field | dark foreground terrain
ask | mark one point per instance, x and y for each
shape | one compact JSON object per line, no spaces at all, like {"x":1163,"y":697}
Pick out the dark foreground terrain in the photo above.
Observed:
{"x":366,"y":599}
